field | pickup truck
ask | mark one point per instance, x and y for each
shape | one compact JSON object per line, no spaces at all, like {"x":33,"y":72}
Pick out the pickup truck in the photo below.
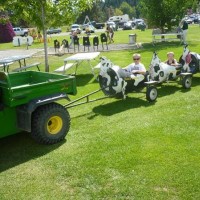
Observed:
{"x":20,"y":31}
{"x":54,"y":30}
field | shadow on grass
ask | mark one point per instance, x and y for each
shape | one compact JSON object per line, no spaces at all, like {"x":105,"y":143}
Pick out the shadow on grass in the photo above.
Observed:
{"x":195,"y":81}
{"x":158,"y":47}
{"x":20,"y":148}
{"x":165,"y":88}
{"x":83,"y":79}
{"x":120,"y":106}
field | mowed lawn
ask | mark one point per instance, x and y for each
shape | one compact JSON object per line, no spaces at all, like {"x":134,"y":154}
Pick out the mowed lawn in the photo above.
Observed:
{"x":115,"y":149}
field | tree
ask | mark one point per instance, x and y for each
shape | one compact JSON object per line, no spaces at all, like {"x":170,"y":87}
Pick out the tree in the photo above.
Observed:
{"x":163,"y":13}
{"x":45,"y":13}
{"x":95,"y":13}
{"x":6,"y":30}
{"x":127,"y":9}
{"x":118,"y":12}
{"x":117,"y":3}
{"x":109,"y":12}
{"x":58,"y":12}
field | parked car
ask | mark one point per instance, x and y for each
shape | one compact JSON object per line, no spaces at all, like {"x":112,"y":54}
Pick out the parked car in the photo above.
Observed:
{"x":54,"y":30}
{"x":76,"y":27}
{"x":112,"y":25}
{"x":20,"y":31}
{"x":141,"y":26}
{"x":189,"y":20}
{"x":98,"y":25}
{"x":196,"y":19}
{"x":132,"y":23}
{"x":137,"y":21}
{"x":127,"y":26}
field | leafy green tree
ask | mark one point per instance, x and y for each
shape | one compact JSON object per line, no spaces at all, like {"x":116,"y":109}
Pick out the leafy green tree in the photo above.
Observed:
{"x":56,"y":12}
{"x":109,"y":12}
{"x":118,"y":12}
{"x":95,"y":13}
{"x":117,"y":3}
{"x":45,"y":13}
{"x":163,"y":13}
{"x":127,"y":9}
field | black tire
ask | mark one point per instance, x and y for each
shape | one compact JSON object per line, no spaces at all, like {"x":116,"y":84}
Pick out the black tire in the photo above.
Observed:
{"x":50,"y":123}
{"x":151,"y":93}
{"x":187,"y":82}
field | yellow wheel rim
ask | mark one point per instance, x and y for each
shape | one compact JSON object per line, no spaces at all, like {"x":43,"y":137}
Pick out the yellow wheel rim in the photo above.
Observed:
{"x":54,"y":125}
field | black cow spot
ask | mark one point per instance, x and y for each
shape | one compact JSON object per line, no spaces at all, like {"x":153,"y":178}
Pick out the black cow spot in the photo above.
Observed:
{"x":156,"y":68}
{"x":161,"y":73}
{"x":170,"y":76}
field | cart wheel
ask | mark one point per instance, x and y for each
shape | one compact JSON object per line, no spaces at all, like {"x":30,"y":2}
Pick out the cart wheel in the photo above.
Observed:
{"x":151,"y":93}
{"x":187,"y":82}
{"x":50,"y":123}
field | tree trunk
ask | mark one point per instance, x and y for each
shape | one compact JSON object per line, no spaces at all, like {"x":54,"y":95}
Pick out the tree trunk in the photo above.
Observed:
{"x":45,"y":37}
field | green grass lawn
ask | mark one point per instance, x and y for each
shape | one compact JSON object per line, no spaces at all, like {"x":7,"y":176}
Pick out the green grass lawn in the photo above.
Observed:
{"x":115,"y":149}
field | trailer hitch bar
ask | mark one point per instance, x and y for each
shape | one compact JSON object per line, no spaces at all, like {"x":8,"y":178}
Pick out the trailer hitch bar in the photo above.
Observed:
{"x":73,"y":103}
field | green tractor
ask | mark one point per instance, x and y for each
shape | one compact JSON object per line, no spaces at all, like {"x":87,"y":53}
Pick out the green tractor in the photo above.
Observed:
{"x":27,"y":103}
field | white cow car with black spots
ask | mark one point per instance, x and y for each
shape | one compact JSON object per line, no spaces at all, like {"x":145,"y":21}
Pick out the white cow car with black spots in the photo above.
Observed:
{"x":190,"y":61}
{"x":115,"y":85}
{"x":162,"y":72}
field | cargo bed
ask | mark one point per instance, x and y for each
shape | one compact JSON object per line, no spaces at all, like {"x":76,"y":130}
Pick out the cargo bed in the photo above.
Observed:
{"x":20,"y":88}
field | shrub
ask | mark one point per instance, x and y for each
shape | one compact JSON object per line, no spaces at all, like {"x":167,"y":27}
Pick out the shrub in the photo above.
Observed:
{"x":6,"y":30}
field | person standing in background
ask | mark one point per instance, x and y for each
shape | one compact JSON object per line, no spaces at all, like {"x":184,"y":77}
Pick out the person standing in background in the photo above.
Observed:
{"x":184,"y":29}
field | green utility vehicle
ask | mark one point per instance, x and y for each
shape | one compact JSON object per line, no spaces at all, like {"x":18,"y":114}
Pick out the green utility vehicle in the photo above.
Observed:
{"x":27,"y":103}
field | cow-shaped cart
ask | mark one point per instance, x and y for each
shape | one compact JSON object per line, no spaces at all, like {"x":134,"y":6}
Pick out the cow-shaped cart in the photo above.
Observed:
{"x":190,"y":61}
{"x":162,"y":72}
{"x":113,"y":84}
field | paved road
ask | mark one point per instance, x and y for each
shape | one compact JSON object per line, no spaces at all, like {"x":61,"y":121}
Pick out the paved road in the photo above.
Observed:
{"x":13,"y":52}
{"x":51,"y":50}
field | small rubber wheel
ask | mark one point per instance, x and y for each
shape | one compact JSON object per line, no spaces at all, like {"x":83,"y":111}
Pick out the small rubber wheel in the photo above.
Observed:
{"x":50,"y":123}
{"x":151,"y":93}
{"x":187,"y":82}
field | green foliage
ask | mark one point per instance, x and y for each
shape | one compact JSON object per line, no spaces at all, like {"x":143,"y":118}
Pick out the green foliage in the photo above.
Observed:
{"x":117,"y":3}
{"x":102,"y":10}
{"x":95,"y":13}
{"x":61,"y":12}
{"x":118,"y":12}
{"x":163,"y":13}
{"x":116,"y":149}
{"x":127,"y":9}
{"x":4,"y":20}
